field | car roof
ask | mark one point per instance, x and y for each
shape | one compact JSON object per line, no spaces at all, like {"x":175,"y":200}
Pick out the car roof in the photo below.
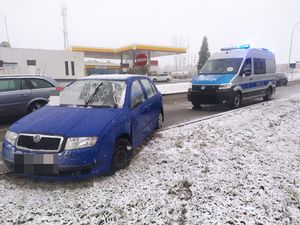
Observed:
{"x":113,"y":76}
{"x":23,"y":76}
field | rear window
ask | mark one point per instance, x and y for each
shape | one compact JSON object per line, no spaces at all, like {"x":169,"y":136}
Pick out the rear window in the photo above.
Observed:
{"x":10,"y":85}
{"x":39,"y":83}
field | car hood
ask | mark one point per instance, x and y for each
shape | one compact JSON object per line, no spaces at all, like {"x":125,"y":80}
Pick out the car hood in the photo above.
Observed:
{"x":212,"y":78}
{"x":66,"y":121}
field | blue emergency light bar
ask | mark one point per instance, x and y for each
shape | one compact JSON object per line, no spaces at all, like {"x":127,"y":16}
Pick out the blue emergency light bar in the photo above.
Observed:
{"x":237,"y":47}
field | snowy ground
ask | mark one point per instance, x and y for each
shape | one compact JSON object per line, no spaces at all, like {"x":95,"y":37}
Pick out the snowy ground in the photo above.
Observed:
{"x":240,"y":168}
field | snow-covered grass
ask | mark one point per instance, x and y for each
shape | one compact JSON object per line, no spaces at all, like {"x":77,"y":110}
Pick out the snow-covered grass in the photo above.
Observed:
{"x":173,"y":88}
{"x":239,"y":168}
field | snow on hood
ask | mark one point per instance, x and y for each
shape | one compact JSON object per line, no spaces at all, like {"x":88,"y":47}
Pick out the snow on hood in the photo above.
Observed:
{"x":66,"y":121}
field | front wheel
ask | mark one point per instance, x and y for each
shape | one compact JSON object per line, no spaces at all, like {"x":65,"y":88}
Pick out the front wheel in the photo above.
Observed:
{"x":121,"y":157}
{"x":236,"y":101}
{"x":159,"y":121}
{"x":268,"y":95}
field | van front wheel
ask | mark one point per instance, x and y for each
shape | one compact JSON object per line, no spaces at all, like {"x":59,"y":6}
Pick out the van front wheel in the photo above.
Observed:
{"x":236,"y":101}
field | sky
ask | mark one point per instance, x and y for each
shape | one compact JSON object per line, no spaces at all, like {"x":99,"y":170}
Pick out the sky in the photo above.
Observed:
{"x":115,"y":23}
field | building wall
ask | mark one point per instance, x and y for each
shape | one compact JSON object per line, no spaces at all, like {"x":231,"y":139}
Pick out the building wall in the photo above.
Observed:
{"x":48,"y":62}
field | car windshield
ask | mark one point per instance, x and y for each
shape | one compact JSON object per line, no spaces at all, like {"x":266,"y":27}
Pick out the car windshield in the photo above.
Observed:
{"x":222,"y":66}
{"x":94,"y":93}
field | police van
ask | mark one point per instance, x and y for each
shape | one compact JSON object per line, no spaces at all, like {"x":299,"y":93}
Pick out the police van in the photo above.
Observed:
{"x":233,"y":75}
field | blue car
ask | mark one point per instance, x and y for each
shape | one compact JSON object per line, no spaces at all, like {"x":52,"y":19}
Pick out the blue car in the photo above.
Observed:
{"x":99,"y":121}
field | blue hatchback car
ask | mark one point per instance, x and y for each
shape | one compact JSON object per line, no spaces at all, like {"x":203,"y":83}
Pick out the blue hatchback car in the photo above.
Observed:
{"x":99,"y":121}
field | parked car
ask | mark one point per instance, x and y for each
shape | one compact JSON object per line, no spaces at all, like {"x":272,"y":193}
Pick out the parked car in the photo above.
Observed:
{"x":162,"y":77}
{"x":22,"y":94}
{"x":94,"y":129}
{"x":282,"y":79}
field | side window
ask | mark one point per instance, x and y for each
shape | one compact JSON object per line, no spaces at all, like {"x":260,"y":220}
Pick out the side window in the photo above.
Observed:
{"x":259,"y":66}
{"x":136,"y":94}
{"x":10,"y":85}
{"x":39,"y":83}
{"x":24,"y":84}
{"x":148,"y":87}
{"x":247,"y":66}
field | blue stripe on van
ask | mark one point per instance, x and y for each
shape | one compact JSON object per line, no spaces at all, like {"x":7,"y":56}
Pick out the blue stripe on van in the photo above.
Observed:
{"x":256,"y":84}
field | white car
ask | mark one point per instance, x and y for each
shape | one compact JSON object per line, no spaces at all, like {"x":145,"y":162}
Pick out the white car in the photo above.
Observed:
{"x":163,"y":77}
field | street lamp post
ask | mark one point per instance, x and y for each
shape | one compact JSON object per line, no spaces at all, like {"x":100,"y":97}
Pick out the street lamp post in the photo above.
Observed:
{"x":6,"y":27}
{"x":291,"y":45}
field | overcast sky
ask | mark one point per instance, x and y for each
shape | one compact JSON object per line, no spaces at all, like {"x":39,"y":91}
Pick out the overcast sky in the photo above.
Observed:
{"x":114,"y":23}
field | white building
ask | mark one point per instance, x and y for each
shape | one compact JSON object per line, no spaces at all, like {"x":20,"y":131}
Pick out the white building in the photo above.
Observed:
{"x":59,"y":64}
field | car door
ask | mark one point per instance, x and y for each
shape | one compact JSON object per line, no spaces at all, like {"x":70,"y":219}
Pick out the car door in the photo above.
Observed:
{"x":13,"y":99}
{"x":40,"y":88}
{"x":246,"y":79}
{"x":153,"y":105}
{"x":138,"y":108}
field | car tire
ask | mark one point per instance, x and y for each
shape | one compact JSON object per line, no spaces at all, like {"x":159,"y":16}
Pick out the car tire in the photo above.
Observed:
{"x":36,"y":106}
{"x":168,"y":80}
{"x":236,"y":101}
{"x":285,"y":82}
{"x":121,"y":155}
{"x":196,"y":105}
{"x":154,"y":80}
{"x":159,"y":122}
{"x":268,"y":95}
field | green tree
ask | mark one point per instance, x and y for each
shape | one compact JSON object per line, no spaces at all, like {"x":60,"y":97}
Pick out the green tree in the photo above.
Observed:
{"x":203,"y":54}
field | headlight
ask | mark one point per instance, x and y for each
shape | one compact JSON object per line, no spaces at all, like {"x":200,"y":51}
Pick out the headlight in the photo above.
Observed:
{"x":80,"y":142}
{"x":11,"y":137}
{"x":224,"y":86}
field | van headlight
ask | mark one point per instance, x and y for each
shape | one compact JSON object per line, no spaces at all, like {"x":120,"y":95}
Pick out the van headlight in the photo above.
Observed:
{"x":11,"y":137}
{"x":224,"y":86}
{"x":80,"y":142}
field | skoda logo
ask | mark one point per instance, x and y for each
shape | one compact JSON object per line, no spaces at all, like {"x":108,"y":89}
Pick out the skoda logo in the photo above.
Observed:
{"x":36,"y":138}
{"x":202,"y":87}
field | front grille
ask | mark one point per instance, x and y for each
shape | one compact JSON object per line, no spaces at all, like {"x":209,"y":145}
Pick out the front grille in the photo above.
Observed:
{"x":39,"y":142}
{"x":199,"y":87}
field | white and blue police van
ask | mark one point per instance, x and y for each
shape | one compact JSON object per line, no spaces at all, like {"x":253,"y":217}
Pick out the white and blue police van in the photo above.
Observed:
{"x":233,"y":75}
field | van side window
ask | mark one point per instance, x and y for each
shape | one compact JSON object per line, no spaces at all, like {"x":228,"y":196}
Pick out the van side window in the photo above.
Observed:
{"x":259,"y":66}
{"x":247,"y":65}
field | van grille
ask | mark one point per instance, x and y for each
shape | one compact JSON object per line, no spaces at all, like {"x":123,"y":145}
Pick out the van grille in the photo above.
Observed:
{"x":39,"y":142}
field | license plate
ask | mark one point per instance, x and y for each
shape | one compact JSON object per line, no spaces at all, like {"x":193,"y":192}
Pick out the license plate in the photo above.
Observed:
{"x":35,"y":163}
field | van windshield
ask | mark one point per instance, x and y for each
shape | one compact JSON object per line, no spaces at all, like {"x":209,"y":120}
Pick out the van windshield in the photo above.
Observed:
{"x":221,"y":66}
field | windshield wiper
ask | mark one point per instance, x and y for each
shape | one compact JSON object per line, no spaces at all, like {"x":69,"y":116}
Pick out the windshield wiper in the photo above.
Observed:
{"x":92,"y":95}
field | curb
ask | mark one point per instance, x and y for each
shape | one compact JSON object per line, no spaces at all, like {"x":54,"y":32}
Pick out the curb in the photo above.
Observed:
{"x":221,"y":114}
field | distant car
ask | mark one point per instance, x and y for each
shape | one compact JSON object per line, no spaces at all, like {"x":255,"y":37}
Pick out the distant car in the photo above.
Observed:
{"x":282,"y":79}
{"x":163,"y":77}
{"x":22,"y":94}
{"x":94,"y":129}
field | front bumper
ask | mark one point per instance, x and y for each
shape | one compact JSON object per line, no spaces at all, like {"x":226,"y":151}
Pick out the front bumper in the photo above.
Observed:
{"x":210,"y":96}
{"x":77,"y":163}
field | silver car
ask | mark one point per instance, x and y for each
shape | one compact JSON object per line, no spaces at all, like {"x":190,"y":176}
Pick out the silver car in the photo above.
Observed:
{"x":22,"y":94}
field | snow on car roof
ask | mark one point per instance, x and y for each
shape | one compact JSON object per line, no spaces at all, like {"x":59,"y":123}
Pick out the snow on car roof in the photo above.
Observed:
{"x":112,"y":76}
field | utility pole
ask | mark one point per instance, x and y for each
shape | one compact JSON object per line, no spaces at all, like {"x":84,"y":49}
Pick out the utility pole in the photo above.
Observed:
{"x":6,"y":27}
{"x":65,"y":29}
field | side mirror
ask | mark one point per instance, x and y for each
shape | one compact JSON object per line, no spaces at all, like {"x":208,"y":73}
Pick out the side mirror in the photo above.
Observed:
{"x":137,"y":103}
{"x":246,"y":71}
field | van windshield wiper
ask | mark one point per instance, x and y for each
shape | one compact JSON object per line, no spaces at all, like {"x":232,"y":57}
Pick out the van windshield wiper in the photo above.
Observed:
{"x":89,"y":99}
